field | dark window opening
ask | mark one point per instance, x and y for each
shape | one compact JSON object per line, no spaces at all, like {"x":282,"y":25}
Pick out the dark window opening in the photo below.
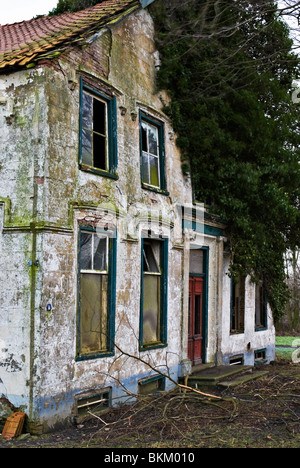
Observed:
{"x":260,"y":307}
{"x":260,"y":356}
{"x":94,"y":132}
{"x":238,"y":305}
{"x":152,"y":147}
{"x":236,"y":360}
{"x":91,"y":404}
{"x":151,"y":385}
{"x":98,"y":150}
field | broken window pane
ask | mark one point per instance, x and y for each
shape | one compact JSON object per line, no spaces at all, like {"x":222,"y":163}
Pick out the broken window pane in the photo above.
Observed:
{"x":94,"y":132}
{"x":99,"y":117}
{"x":86,"y":251}
{"x":99,"y":152}
{"x":144,"y":138}
{"x":153,"y":140}
{"x":151,"y":257}
{"x":100,"y":253}
{"x":87,"y":111}
{"x":93,"y":252}
{"x":150,"y":154}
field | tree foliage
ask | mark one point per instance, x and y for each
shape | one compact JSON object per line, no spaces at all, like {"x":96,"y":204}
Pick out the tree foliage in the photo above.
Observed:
{"x":229,"y":67}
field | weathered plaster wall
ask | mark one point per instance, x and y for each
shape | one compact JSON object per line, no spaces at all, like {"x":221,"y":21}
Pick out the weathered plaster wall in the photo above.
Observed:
{"x":248,"y":342}
{"x":22,"y":149}
{"x":43,"y":197}
{"x":55,"y":193}
{"x":221,"y":345}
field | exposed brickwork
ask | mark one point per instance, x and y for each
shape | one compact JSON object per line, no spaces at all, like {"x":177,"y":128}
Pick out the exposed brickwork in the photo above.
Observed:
{"x":27,"y":42}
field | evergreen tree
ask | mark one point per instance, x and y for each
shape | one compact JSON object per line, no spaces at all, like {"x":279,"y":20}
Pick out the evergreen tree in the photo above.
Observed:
{"x":228,"y":67}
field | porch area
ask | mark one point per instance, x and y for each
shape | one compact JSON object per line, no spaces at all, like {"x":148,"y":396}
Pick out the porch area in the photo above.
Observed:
{"x":207,"y":375}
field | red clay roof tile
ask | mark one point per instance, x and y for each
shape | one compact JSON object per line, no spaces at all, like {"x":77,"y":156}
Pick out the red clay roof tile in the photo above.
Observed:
{"x":22,"y":43}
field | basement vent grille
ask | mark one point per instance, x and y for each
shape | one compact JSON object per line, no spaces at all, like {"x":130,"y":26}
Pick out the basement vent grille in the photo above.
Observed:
{"x":151,"y":385}
{"x":92,"y":403}
{"x":236,"y":360}
{"x":260,"y":356}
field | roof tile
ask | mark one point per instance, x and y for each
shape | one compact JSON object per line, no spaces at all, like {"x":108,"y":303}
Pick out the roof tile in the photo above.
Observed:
{"x":22,"y":43}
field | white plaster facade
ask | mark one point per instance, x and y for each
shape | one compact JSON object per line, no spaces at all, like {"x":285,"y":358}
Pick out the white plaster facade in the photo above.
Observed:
{"x":44,"y":198}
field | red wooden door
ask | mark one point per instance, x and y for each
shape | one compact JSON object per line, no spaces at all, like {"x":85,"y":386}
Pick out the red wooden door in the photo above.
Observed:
{"x":195,"y":339}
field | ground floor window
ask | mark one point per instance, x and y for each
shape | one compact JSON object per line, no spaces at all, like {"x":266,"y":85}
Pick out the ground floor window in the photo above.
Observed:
{"x":153,"y":320}
{"x":151,"y":385}
{"x":238,"y":305}
{"x":96,"y":293}
{"x":260,"y":307}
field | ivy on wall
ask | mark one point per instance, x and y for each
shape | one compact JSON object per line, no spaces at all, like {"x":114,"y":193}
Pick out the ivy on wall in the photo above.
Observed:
{"x":228,"y":68}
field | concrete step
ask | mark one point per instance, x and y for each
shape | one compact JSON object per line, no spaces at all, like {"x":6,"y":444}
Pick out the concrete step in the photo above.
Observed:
{"x":243,"y":379}
{"x":221,"y":375}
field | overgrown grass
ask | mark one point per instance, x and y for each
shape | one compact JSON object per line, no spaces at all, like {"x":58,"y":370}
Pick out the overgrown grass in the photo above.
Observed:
{"x":285,"y":340}
{"x":286,"y":346}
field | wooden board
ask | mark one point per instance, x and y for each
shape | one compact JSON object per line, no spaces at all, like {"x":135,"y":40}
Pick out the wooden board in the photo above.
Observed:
{"x":14,"y":425}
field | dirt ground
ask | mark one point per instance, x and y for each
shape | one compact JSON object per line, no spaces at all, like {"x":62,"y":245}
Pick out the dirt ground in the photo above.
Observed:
{"x":263,"y":413}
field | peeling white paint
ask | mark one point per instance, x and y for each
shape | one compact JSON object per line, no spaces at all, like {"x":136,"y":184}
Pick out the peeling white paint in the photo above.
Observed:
{"x":41,"y":178}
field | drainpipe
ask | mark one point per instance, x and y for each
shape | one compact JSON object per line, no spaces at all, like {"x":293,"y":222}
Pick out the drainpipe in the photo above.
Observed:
{"x":33,"y":262}
{"x":33,"y":274}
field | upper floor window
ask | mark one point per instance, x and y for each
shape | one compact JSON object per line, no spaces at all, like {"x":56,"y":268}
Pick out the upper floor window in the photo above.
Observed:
{"x":152,"y":153}
{"x":98,"y":135}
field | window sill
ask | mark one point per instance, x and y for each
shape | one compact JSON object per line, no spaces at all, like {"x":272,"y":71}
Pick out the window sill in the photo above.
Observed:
{"x":155,"y":345}
{"x":155,"y":189}
{"x":100,"y":355}
{"x":101,"y":172}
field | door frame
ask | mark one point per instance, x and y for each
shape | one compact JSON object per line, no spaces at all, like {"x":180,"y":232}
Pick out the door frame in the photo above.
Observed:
{"x":205,"y":276}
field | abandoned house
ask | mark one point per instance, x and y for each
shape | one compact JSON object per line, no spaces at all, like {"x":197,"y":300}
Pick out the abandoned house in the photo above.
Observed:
{"x":108,"y":270}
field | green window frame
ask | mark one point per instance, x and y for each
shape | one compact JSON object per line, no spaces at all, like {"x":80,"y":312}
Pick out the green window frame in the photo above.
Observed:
{"x":98,"y":150}
{"x":238,"y":298}
{"x":154,"y":293}
{"x":152,"y":151}
{"x":96,"y":293}
{"x":151,"y":385}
